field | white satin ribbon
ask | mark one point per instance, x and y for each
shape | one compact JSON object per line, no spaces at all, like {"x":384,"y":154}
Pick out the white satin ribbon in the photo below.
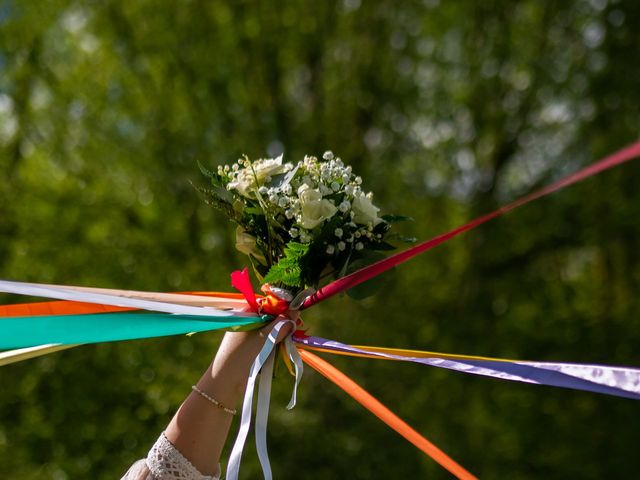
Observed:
{"x":19,"y":354}
{"x":61,"y":293}
{"x":262,"y":414}
{"x":295,"y":358}
{"x":262,"y":365}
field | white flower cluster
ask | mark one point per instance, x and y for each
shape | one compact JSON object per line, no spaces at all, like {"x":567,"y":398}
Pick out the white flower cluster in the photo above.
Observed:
{"x":252,"y":174}
{"x":303,"y":199}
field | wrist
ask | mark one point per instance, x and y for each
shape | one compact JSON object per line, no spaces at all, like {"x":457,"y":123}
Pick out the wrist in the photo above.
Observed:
{"x":226,"y":378}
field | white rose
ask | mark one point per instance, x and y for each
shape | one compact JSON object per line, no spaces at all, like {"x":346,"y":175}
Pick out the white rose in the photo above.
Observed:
{"x":250,"y":178}
{"x":268,"y":167}
{"x":364,"y":211}
{"x":243,"y":183}
{"x":315,"y":209}
{"x":246,"y":243}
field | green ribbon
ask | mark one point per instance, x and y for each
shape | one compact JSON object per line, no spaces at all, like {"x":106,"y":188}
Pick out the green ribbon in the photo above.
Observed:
{"x":20,"y":332}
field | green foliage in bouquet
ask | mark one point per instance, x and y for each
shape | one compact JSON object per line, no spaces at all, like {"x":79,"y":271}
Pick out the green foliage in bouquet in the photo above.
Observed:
{"x":288,"y":270}
{"x":300,"y":224}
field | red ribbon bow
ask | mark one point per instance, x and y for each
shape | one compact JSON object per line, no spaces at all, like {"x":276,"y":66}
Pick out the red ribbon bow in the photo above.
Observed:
{"x":270,"y":304}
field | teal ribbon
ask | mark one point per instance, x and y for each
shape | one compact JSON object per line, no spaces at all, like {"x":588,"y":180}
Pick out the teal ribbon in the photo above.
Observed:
{"x":20,"y":332}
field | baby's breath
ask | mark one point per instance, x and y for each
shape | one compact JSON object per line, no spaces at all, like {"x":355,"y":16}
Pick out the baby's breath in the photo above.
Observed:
{"x":318,"y":204}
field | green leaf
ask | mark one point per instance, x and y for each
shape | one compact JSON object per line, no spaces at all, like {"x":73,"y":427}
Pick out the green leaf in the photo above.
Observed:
{"x":222,"y":193}
{"x":404,"y":239}
{"x":345,"y":267}
{"x":401,"y":238}
{"x":254,"y":211}
{"x":205,"y":171}
{"x":396,"y":218}
{"x":288,"y":270}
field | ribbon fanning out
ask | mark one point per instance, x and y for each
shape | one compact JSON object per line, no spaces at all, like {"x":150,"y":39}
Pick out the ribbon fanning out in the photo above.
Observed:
{"x":98,"y":296}
{"x":90,"y":315}
{"x":383,"y":413}
{"x":375,"y":269}
{"x":608,"y":380}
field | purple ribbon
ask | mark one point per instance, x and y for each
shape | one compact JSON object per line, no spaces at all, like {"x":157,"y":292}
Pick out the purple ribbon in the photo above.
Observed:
{"x":609,"y":380}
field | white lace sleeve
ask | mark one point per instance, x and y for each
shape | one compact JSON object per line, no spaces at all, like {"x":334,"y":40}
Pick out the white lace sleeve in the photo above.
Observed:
{"x":165,"y":462}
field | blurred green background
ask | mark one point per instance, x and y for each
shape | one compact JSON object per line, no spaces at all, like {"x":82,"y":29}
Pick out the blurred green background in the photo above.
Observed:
{"x":447,"y":109}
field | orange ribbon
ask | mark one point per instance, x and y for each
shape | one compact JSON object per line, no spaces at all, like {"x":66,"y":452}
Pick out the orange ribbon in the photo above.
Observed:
{"x":383,"y":413}
{"x":58,"y":307}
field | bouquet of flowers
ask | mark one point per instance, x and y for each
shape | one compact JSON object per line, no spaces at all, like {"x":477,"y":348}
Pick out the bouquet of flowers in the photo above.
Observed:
{"x":301,"y":224}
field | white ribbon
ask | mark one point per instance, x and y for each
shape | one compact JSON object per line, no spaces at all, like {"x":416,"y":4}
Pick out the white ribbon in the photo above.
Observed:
{"x":262,"y":414}
{"x":19,"y":354}
{"x":294,"y":356}
{"x":62,"y":293}
{"x":263,"y":365}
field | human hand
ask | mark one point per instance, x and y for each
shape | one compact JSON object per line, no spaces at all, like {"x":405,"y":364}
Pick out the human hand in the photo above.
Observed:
{"x":236,"y":353}
{"x":199,"y":429}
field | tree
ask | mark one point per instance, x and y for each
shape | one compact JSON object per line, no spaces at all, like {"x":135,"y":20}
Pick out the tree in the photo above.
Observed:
{"x":447,"y":110}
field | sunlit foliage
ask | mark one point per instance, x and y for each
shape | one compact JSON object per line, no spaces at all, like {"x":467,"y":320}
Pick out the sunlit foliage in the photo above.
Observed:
{"x":447,"y":109}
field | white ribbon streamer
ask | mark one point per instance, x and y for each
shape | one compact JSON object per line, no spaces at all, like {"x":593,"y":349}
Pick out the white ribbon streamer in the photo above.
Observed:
{"x":262,"y":414}
{"x":294,"y":355}
{"x":19,"y":354}
{"x":61,"y":293}
{"x":262,"y":365}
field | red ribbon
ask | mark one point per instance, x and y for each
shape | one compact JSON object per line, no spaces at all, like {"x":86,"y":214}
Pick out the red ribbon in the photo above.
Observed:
{"x":366,"y":273}
{"x":270,"y":304}
{"x":240,"y":281}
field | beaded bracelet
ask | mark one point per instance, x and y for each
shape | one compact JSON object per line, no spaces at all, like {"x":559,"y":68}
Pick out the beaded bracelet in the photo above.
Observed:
{"x":213,"y":400}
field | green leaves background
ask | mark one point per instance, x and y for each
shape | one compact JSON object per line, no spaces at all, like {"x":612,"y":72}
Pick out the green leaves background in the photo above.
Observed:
{"x":446,"y":109}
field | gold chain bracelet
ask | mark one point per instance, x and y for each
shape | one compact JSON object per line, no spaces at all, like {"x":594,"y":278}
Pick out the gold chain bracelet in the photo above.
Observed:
{"x":213,"y":400}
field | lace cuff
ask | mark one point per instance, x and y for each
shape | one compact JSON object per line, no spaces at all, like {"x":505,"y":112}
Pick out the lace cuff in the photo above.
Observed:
{"x":166,"y":463}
